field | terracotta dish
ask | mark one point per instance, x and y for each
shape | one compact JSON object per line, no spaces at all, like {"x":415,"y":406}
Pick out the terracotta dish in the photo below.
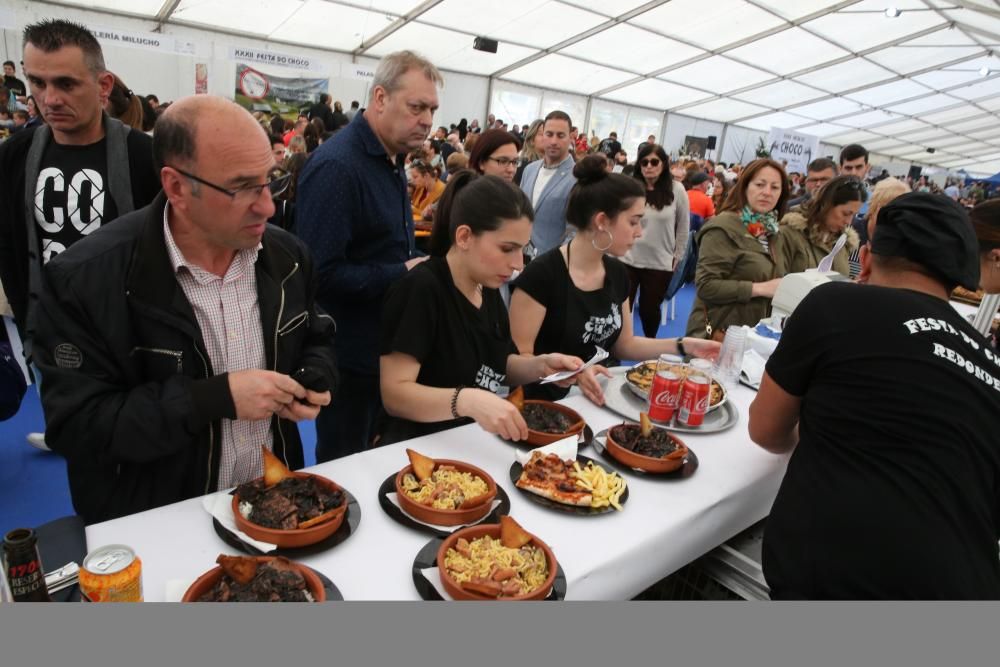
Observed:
{"x":539,"y":438}
{"x":207,"y":581}
{"x":297,"y":537}
{"x":448,"y":517}
{"x":619,"y":436}
{"x":493,"y":530}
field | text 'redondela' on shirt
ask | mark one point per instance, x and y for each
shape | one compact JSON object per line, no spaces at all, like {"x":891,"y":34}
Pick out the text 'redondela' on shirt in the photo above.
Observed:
{"x":892,"y":491}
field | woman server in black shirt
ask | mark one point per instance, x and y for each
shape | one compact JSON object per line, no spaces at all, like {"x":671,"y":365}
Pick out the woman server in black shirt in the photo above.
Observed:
{"x":575,"y":297}
{"x":446,"y":352}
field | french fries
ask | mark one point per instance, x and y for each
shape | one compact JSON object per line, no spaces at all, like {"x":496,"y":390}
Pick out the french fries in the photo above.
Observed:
{"x":606,"y":488}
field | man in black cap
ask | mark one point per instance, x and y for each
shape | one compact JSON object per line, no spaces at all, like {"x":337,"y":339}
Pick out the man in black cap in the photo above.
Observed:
{"x":700,"y":203}
{"x":897,"y":497}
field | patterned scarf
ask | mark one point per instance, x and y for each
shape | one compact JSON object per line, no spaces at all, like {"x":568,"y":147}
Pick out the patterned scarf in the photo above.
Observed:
{"x":760,"y":225}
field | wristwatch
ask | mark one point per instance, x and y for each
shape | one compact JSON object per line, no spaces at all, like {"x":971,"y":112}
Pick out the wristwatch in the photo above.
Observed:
{"x":680,"y":346}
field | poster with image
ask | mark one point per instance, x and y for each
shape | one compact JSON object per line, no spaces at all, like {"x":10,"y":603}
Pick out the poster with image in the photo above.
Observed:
{"x":695,"y":147}
{"x":258,"y":90}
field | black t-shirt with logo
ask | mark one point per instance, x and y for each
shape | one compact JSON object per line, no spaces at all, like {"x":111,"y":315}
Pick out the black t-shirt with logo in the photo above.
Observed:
{"x":893,"y":491}
{"x":14,"y":85}
{"x":425,"y":316}
{"x":576,"y":322}
{"x":71,"y":195}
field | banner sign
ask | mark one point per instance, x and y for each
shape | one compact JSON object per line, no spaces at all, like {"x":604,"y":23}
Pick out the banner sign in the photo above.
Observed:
{"x":260,"y":91}
{"x":274,"y":58}
{"x":794,"y":147}
{"x":143,"y":40}
{"x":354,"y":71}
{"x":200,"y":78}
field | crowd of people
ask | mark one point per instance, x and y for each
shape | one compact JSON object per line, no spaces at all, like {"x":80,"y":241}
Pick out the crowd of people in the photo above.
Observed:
{"x":173,"y":332}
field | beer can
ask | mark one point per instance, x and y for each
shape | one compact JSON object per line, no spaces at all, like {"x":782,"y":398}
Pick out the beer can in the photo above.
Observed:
{"x":663,"y":395}
{"x":112,"y":573}
{"x":695,"y":394}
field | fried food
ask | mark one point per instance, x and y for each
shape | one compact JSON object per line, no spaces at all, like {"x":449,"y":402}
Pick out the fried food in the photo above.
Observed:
{"x":517,"y":398}
{"x":512,"y":535}
{"x":646,"y":424}
{"x":240,"y":569}
{"x":423,"y":466}
{"x":274,"y":469}
{"x":606,"y":489}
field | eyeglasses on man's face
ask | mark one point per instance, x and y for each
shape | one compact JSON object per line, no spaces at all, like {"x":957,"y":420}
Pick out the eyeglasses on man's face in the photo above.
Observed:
{"x":649,"y":162}
{"x":277,"y":182}
{"x":504,"y":161}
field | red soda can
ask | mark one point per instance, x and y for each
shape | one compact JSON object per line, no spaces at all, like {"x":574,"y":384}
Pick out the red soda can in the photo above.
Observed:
{"x":695,"y":395}
{"x":663,"y":395}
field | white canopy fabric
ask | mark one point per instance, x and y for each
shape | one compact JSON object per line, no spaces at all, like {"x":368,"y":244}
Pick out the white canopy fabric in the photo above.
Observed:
{"x":901,"y":76}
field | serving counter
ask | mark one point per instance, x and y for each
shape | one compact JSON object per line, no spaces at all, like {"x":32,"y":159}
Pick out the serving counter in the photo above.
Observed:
{"x":664,"y":525}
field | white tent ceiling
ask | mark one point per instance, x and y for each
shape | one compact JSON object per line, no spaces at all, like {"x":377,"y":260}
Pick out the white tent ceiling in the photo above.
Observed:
{"x":847,"y":71}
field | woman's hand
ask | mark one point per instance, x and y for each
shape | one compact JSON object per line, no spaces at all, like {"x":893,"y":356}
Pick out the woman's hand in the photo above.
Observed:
{"x":557,"y":363}
{"x":700,"y":347}
{"x":494,"y":414}
{"x":590,"y":385}
{"x":766,"y":289}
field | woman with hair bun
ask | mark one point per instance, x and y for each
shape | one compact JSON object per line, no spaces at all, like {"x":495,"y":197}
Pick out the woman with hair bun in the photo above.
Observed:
{"x":574,"y":298}
{"x":447,"y":357}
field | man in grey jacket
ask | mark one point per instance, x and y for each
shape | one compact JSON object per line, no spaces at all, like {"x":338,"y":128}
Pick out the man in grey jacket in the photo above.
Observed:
{"x":547,"y":182}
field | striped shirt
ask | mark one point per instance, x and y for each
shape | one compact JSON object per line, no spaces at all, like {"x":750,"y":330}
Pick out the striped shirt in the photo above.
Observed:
{"x":228,"y":315}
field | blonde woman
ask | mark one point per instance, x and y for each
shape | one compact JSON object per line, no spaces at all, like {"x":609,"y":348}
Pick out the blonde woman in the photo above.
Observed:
{"x":529,"y":151}
{"x":886,"y":190}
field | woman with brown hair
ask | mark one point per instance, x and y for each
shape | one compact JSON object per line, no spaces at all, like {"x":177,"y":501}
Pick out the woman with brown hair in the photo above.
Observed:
{"x":809,"y":235}
{"x":986,"y":221}
{"x":495,"y":154}
{"x":428,"y":188}
{"x":737,"y":276}
{"x":124,"y":105}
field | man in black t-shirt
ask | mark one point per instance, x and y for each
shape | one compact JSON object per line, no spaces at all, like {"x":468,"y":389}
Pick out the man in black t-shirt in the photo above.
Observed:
{"x":11,"y":82}
{"x":71,"y":175}
{"x":897,"y":496}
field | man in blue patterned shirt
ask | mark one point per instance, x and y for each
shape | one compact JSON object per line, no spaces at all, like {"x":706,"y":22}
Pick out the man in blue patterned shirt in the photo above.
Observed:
{"x":353,"y":211}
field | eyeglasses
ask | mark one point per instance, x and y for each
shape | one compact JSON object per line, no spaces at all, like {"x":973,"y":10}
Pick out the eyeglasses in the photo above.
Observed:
{"x":277,"y":182}
{"x":504,"y":161}
{"x":649,"y":162}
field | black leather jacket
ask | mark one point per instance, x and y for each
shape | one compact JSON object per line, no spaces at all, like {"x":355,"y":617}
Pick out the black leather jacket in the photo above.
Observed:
{"x":128,"y":389}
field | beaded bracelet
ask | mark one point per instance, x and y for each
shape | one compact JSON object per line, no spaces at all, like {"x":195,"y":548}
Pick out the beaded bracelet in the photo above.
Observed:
{"x":454,"y":401}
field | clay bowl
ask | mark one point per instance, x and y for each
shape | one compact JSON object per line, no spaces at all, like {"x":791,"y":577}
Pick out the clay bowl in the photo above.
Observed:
{"x":668,"y":463}
{"x":298,"y":537}
{"x":205,"y":582}
{"x":539,"y":438}
{"x":493,"y":530}
{"x":442,"y":517}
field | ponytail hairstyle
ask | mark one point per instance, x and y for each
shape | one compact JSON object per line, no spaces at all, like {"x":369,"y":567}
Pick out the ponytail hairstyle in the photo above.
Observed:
{"x":482,"y":203}
{"x":597,"y":191}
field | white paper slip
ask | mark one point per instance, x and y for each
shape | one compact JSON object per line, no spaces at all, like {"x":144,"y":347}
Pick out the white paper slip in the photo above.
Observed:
{"x":565,"y":449}
{"x":220,"y":505}
{"x":600,"y":356}
{"x":826,"y":263}
{"x":753,"y":368}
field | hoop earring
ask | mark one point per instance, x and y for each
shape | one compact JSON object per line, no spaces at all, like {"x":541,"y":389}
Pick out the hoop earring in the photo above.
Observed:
{"x":611,"y":241}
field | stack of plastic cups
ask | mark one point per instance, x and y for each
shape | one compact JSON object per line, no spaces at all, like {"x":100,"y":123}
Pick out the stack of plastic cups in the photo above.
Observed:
{"x":730,"y":362}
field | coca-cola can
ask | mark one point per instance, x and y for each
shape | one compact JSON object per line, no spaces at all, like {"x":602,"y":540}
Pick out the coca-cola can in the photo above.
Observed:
{"x":695,"y":394}
{"x":663,"y":395}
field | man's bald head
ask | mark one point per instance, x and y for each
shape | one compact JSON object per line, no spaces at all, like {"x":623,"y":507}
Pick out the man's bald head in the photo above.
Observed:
{"x":193,"y":121}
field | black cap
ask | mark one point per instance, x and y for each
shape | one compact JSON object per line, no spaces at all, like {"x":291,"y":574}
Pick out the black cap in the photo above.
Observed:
{"x":697,"y":178}
{"x":933,"y":231}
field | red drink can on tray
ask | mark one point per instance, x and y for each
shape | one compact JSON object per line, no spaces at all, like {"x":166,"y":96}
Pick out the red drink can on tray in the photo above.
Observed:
{"x":665,"y":390}
{"x":695,"y":394}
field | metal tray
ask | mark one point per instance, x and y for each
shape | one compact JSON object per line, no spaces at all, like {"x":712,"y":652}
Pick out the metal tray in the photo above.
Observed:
{"x":618,"y":397}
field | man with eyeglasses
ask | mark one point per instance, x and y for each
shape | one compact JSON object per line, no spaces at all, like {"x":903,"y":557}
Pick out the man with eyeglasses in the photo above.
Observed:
{"x":66,"y":178}
{"x":354,"y":213}
{"x":819,"y":172}
{"x":169,"y":340}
